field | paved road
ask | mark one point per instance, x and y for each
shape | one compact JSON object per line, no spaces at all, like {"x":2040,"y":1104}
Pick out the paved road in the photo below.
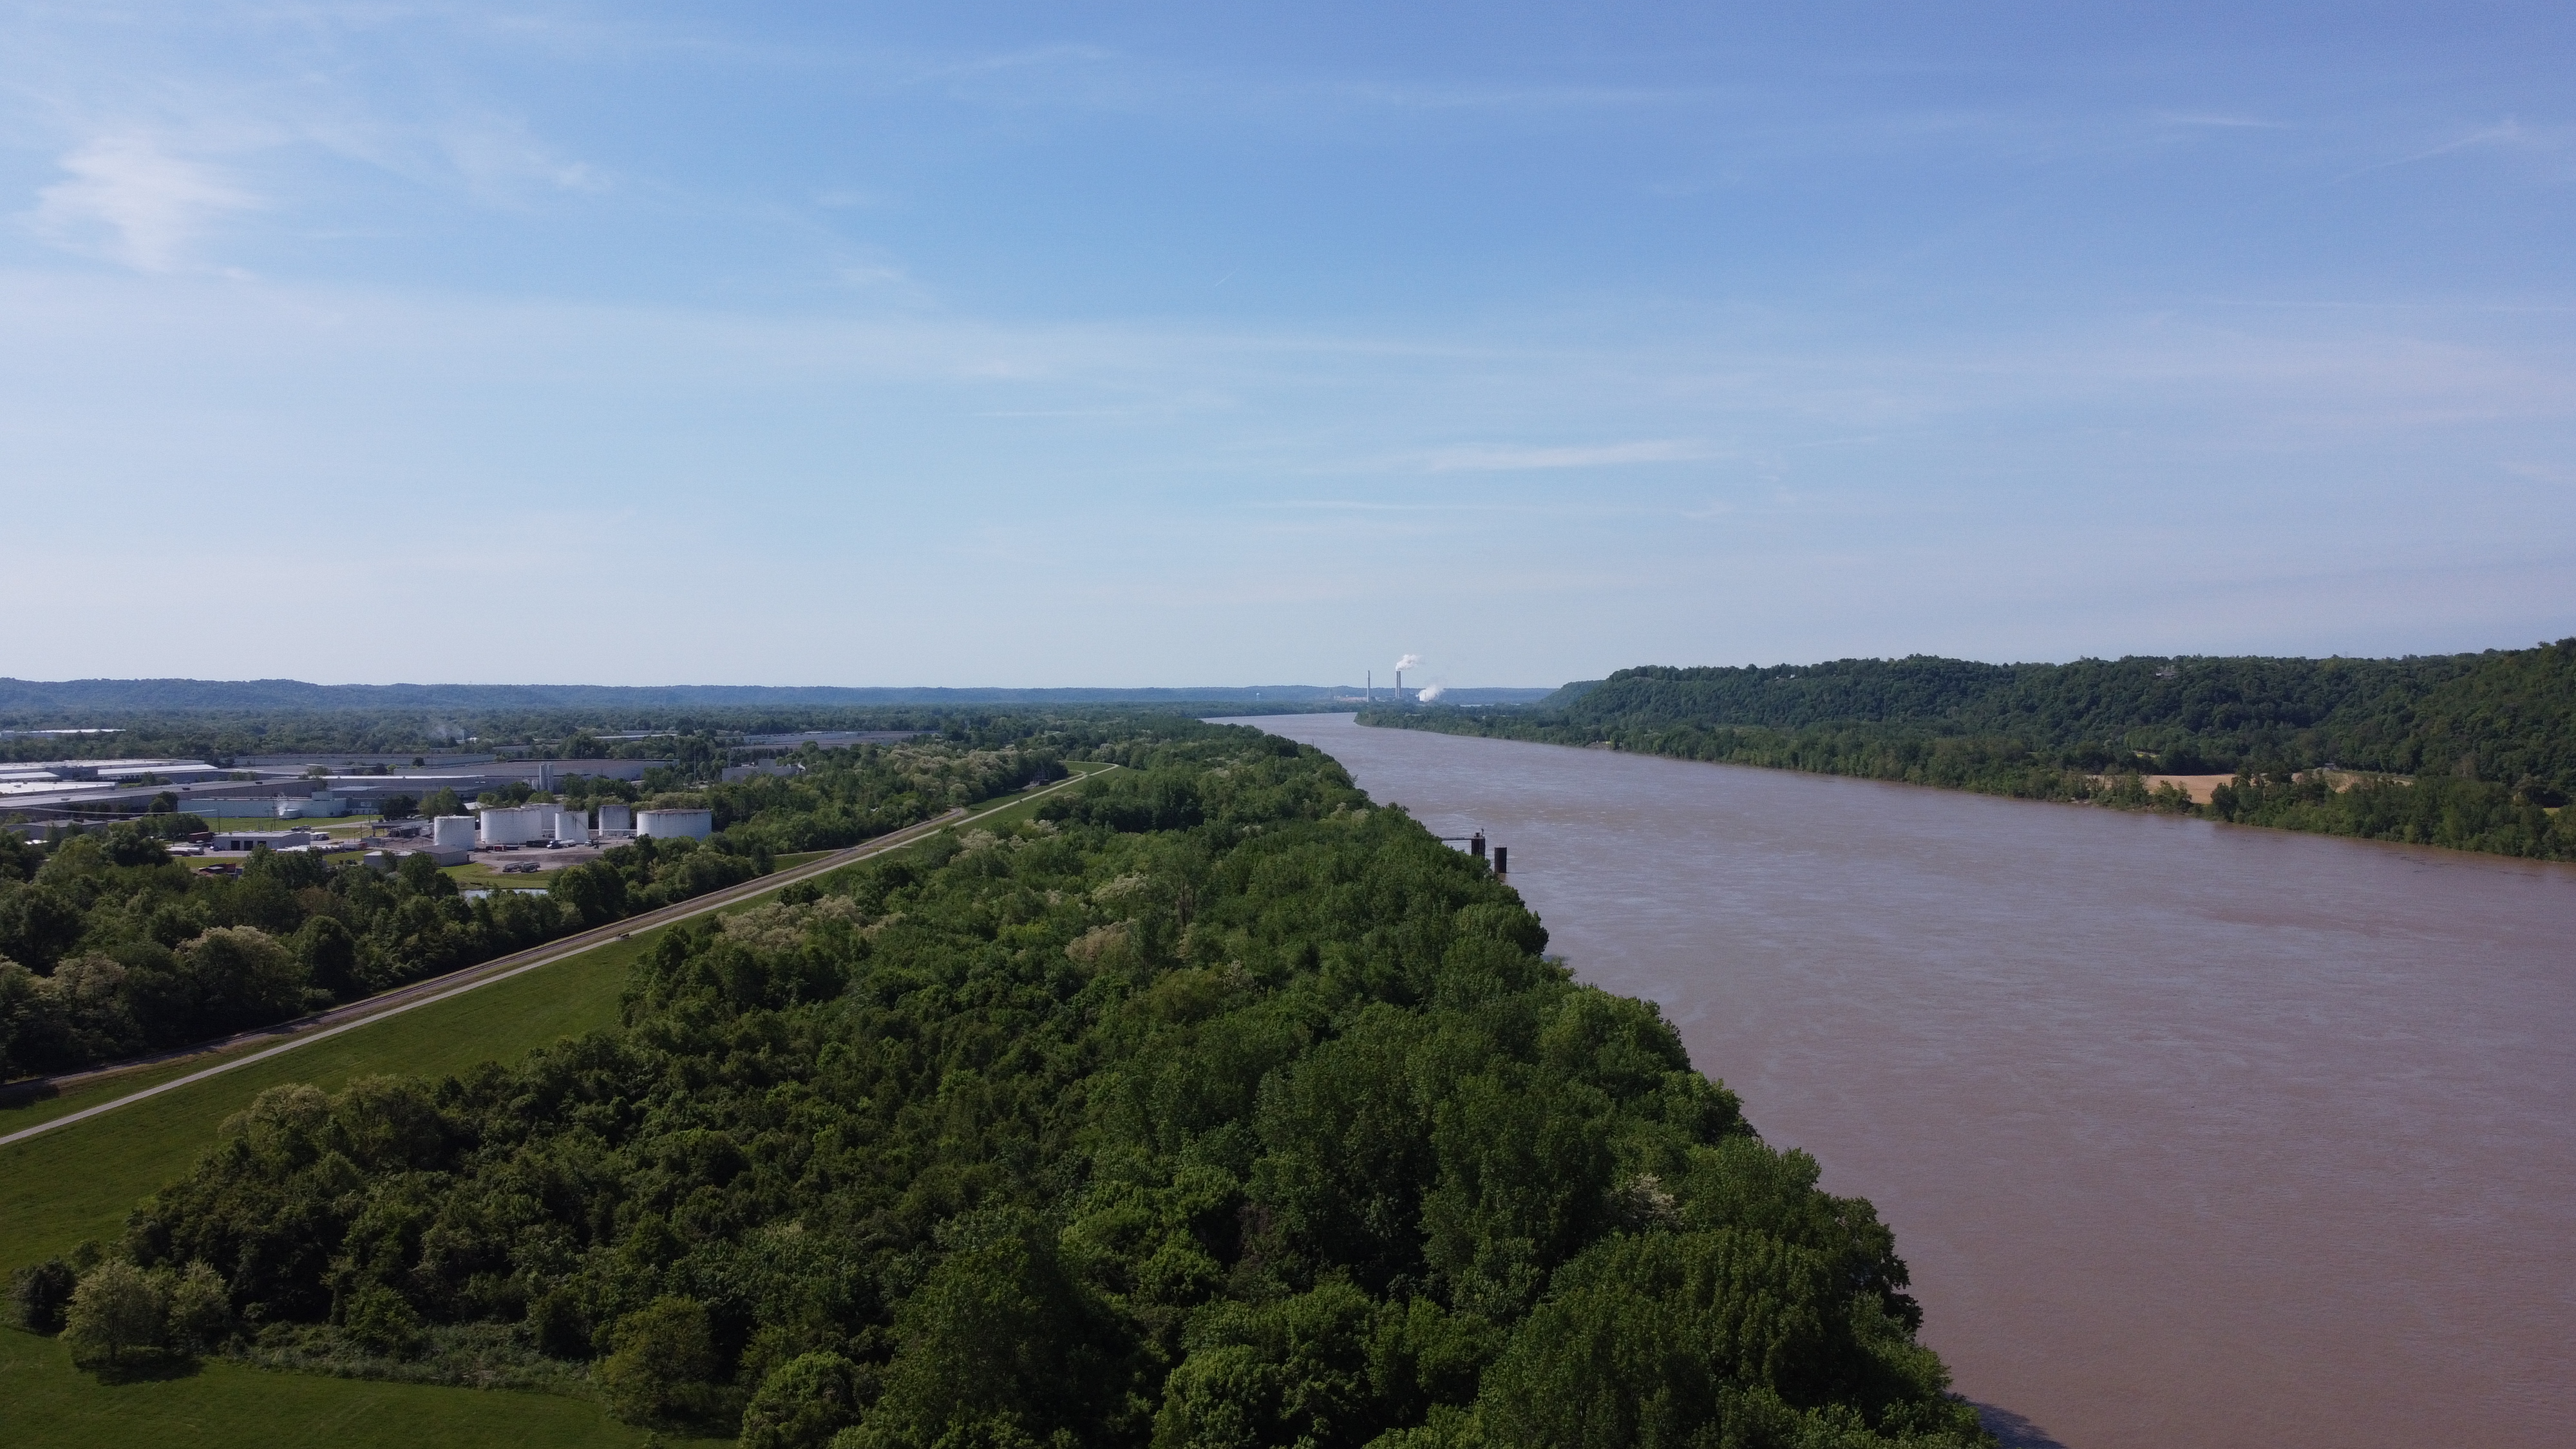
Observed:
{"x":304,"y":1031}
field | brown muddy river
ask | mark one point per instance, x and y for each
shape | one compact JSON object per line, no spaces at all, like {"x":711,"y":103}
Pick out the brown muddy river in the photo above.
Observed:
{"x":2193,"y":1135}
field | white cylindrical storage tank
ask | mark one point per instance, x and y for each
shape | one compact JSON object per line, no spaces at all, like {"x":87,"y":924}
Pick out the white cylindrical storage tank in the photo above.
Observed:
{"x":503,"y":825}
{"x":452,"y":832}
{"x":615,"y":820}
{"x":572,"y":827}
{"x":695,"y":824}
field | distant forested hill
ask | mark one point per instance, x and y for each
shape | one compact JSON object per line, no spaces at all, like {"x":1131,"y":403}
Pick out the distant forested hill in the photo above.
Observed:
{"x":27,"y":703}
{"x":222,"y":719}
{"x":2487,"y":741}
{"x":33,"y":700}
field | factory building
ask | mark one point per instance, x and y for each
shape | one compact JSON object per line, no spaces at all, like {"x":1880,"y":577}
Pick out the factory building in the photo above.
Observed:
{"x":253,"y":839}
{"x":667,"y":824}
{"x":321,"y":805}
{"x":263,"y":807}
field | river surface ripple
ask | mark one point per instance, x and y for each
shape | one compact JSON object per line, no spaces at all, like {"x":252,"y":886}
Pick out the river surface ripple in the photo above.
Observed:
{"x":2192,"y":1134}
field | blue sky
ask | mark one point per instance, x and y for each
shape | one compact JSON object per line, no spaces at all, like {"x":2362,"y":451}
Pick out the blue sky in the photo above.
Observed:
{"x":1035,"y":345}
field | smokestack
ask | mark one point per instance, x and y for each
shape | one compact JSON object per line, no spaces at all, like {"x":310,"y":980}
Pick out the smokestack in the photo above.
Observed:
{"x":1401,"y":665}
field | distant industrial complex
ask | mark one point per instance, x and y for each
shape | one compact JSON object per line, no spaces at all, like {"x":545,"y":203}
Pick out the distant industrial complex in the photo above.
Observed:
{"x":277,"y":789}
{"x":274,"y":789}
{"x":278,"y":786}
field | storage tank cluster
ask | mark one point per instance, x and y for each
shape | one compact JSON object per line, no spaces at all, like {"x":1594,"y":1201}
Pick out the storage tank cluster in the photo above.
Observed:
{"x":665,"y":824}
{"x":524,"y":824}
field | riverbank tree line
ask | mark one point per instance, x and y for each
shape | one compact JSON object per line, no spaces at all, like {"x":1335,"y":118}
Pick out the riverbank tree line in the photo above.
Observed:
{"x":110,"y":947}
{"x":1213,"y":1107}
{"x":2471,"y":751}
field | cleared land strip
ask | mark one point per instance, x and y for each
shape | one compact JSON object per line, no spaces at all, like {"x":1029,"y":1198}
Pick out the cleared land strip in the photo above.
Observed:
{"x":307,"y":1030}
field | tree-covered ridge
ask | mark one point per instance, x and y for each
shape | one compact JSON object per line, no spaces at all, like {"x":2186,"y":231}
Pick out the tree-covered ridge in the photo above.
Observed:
{"x":2509,"y":715}
{"x":1214,"y":1108}
{"x":2472,"y":751}
{"x":110,"y":948}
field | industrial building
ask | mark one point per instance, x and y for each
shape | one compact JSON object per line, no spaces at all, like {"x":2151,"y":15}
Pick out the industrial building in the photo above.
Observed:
{"x":94,"y":789}
{"x":227,"y":840}
{"x":321,"y":805}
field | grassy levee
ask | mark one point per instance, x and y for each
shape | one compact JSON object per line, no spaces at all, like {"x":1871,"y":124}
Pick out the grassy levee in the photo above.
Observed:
{"x":78,"y":1183}
{"x":22,"y":1110}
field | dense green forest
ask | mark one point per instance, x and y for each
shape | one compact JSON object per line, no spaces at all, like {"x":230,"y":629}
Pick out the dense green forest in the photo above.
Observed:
{"x":110,"y":948}
{"x":2472,"y":751}
{"x":1212,"y":1107}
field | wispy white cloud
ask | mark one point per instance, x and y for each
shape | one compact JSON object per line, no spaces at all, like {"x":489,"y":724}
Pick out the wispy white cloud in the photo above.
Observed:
{"x":1356,"y":505}
{"x":1510,"y":459}
{"x":2558,"y":474}
{"x":498,"y":159}
{"x":130,"y":198}
{"x":2505,"y":135}
{"x":2219,"y":122}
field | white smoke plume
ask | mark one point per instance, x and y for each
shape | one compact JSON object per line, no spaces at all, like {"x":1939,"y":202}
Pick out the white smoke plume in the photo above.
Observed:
{"x":1409,"y":661}
{"x":1433,"y":693}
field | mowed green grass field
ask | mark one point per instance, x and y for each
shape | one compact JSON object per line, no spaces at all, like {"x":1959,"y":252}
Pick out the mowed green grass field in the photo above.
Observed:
{"x":78,"y":1183}
{"x":44,"y":1401}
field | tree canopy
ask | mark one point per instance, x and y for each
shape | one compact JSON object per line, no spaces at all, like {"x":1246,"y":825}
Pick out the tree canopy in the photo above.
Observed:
{"x":1214,"y":1107}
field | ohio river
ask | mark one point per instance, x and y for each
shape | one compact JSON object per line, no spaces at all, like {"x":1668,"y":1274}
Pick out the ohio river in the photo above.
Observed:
{"x":2192,"y":1135}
